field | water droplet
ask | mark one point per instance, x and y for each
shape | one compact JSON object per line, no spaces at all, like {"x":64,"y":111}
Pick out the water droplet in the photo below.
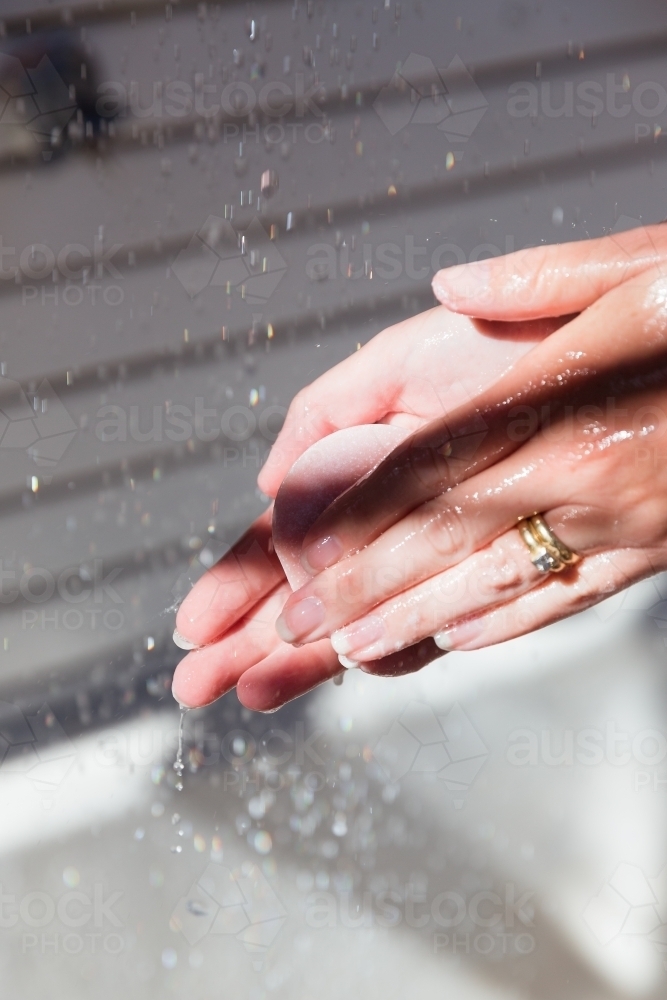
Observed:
{"x":257,"y":807}
{"x":269,"y":183}
{"x":155,"y":878}
{"x":262,"y":842}
{"x":196,"y":908}
{"x":169,"y":958}
{"x":339,"y":827}
{"x":157,"y":774}
{"x":71,"y":877}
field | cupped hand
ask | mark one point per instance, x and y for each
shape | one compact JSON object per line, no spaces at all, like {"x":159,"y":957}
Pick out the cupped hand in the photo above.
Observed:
{"x":426,"y":545}
{"x":409,"y":374}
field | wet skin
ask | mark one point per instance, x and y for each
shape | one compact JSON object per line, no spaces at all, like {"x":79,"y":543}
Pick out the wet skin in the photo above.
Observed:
{"x":426,"y":545}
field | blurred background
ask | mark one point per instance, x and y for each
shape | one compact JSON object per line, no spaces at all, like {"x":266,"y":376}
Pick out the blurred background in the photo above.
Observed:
{"x":203,"y":207}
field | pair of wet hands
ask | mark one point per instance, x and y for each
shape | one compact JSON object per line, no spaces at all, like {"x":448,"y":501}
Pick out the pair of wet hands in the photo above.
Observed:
{"x":607,"y":294}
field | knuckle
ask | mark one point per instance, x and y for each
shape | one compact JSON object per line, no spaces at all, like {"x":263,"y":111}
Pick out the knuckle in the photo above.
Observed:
{"x":444,"y":531}
{"x":502,"y":575}
{"x":581,"y":597}
{"x":598,"y":578}
{"x":298,"y":402}
{"x":305,"y":410}
{"x":529,"y":275}
{"x":299,"y":408}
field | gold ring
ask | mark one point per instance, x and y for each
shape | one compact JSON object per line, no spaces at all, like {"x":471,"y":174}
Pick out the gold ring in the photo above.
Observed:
{"x":547,"y":553}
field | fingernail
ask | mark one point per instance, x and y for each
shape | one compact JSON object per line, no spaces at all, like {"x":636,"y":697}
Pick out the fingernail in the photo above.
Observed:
{"x":458,"y":635}
{"x":464,"y":281}
{"x":182,"y":642}
{"x":346,"y":662}
{"x":318,"y":555}
{"x":178,"y":698}
{"x":300,"y":619}
{"x":358,"y":635}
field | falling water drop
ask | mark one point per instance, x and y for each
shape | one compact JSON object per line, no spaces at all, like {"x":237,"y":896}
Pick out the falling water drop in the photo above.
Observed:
{"x":179,"y":766}
{"x":269,"y":183}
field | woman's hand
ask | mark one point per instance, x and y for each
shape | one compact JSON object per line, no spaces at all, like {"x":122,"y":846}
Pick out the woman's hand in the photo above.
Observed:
{"x":231,"y":614}
{"x":426,"y":544}
{"x":408,"y":375}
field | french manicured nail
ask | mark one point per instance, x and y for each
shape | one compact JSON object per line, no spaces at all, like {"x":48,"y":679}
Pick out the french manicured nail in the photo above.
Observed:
{"x":358,"y":635}
{"x":346,"y":662}
{"x":318,"y":555}
{"x":300,"y":619}
{"x":179,"y":699}
{"x":458,"y":635}
{"x":182,"y":642}
{"x":464,"y":281}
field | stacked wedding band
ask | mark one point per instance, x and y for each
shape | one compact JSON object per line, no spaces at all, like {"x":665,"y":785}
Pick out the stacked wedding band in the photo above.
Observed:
{"x":547,"y":553}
